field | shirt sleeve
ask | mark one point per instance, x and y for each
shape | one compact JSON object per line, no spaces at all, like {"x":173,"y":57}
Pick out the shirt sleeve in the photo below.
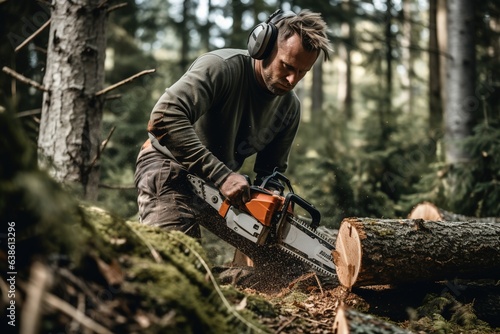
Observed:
{"x":173,"y":116}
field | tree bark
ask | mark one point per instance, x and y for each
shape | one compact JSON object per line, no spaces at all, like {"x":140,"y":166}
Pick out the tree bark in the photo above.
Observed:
{"x":462,"y":104}
{"x":349,"y":321}
{"x":429,"y":211}
{"x":70,"y":126}
{"x":391,"y":251}
{"x":317,"y":93}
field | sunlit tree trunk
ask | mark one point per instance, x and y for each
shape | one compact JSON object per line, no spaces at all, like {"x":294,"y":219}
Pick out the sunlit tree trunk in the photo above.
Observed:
{"x":205,"y":29}
{"x":442,"y":36}
{"x":406,"y":55}
{"x":344,"y":88}
{"x":69,"y":137}
{"x":462,"y":105}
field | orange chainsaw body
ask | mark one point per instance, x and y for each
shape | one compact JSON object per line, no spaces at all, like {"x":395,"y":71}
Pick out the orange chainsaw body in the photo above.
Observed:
{"x":262,"y":206}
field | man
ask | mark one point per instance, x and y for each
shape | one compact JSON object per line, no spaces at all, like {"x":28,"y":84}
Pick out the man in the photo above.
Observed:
{"x":229,"y":105}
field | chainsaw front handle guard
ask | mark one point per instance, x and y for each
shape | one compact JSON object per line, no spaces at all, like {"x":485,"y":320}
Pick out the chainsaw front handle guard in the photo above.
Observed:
{"x":276,"y":176}
{"x":291,"y":198}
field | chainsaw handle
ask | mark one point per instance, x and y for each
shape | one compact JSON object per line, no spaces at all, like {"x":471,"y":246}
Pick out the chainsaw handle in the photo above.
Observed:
{"x":315,"y":214}
{"x":277,"y":176}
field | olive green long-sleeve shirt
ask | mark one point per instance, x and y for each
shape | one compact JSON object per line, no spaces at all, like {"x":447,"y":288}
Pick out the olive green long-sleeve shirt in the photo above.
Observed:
{"x":217,"y":114}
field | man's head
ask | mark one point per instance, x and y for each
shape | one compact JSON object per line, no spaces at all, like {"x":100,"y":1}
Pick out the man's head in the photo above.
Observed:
{"x":300,"y":40}
{"x":310,"y":27}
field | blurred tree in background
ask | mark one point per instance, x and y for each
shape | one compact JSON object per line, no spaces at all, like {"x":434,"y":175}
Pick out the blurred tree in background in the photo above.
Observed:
{"x":371,"y":142}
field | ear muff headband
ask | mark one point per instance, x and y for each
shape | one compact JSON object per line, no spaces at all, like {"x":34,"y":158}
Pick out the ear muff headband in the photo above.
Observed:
{"x":263,"y":37}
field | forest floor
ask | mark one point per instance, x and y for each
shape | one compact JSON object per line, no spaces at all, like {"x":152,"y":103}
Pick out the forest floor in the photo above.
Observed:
{"x":129,"y":278}
{"x":308,"y":304}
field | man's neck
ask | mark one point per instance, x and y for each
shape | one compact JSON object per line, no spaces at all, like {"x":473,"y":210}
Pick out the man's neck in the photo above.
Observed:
{"x":257,"y":67}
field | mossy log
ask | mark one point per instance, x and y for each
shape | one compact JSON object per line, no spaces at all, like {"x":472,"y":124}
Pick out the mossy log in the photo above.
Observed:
{"x":429,"y":211}
{"x":391,"y":251}
{"x":350,"y":321}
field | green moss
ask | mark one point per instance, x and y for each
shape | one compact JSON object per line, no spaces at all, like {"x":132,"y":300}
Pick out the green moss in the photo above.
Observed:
{"x":443,"y":314}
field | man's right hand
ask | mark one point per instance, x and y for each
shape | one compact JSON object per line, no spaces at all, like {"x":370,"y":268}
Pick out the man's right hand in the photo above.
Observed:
{"x":236,"y":189}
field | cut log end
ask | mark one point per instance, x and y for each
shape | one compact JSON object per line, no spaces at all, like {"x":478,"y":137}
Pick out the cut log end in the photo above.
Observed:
{"x":425,"y":210}
{"x":347,"y":255}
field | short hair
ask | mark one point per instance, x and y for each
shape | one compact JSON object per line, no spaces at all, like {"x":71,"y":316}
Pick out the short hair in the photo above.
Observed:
{"x":310,"y":27}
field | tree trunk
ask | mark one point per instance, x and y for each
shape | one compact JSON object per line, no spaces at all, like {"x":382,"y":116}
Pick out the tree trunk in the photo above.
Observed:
{"x":462,"y":104}
{"x":389,"y":251}
{"x":350,"y":321}
{"x":344,"y":89}
{"x":429,"y":211}
{"x":69,"y":137}
{"x":317,"y":94}
{"x":435,"y":101}
{"x":387,"y":121}
{"x":442,"y":40}
{"x":406,"y":57}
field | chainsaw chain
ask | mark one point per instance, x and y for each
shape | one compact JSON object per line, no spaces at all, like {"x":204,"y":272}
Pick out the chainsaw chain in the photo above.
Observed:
{"x":318,"y":269}
{"x":309,"y":230}
{"x":325,"y":240}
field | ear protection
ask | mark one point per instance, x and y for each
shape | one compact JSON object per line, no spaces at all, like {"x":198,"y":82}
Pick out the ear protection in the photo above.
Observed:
{"x":263,"y":37}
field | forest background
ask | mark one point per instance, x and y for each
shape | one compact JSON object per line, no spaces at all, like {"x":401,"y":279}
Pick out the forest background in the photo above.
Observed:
{"x":406,"y":111}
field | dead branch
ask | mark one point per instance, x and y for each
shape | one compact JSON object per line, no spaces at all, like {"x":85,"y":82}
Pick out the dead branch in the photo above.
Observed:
{"x":40,"y":280}
{"x":115,"y":7}
{"x":101,"y":149}
{"x":319,"y":284}
{"x":67,"y":274}
{"x":113,"y":97}
{"x":285,"y":325}
{"x":78,"y":316}
{"x":22,"y":78}
{"x":74,"y":326}
{"x":28,"y":113}
{"x":40,"y":49}
{"x":101,"y":4}
{"x":30,"y":38}
{"x":118,"y":84}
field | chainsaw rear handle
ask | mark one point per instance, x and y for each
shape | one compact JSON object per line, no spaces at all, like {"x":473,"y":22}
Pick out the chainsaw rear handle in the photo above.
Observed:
{"x":292,"y":198}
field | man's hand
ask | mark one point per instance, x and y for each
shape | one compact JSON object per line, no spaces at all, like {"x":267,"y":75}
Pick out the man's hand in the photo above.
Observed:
{"x":236,"y":189}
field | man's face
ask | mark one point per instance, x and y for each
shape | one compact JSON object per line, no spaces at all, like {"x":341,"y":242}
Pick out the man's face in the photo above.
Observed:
{"x":287,"y":65}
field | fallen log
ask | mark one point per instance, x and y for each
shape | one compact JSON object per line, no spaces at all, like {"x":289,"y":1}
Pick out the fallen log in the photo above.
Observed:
{"x":350,"y":321}
{"x":391,"y":251}
{"x":429,"y":211}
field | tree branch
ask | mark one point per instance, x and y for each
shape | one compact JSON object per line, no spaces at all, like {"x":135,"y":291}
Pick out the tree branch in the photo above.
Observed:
{"x":101,"y":149}
{"x":22,"y":78}
{"x":28,"y":113}
{"x":68,"y":309}
{"x":115,"y":7}
{"x":118,"y":84}
{"x":113,"y":97}
{"x":30,"y":38}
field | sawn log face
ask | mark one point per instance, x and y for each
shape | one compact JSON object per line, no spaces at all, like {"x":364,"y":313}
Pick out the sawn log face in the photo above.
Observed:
{"x":390,"y":251}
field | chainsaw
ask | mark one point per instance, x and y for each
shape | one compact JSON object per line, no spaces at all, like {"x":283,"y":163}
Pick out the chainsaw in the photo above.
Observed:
{"x":270,"y":219}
